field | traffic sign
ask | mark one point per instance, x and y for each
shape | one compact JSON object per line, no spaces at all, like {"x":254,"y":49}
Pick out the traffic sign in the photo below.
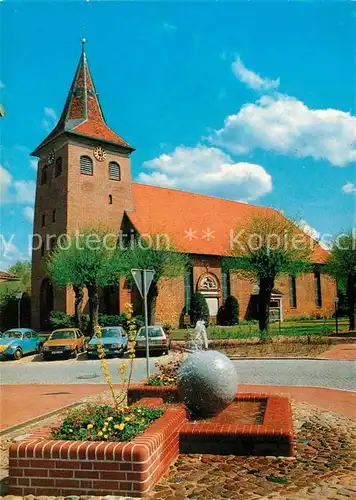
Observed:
{"x":143,"y":279}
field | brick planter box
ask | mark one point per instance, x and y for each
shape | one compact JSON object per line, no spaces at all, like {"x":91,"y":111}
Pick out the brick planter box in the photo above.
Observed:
{"x":40,"y":466}
{"x":274,"y":436}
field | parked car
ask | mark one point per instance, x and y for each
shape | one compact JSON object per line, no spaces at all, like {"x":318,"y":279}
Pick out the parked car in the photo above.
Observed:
{"x":158,"y":340}
{"x":114,"y":340}
{"x":16,"y":342}
{"x":64,"y":342}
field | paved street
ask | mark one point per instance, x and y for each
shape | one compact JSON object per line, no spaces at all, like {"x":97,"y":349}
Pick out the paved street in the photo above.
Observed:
{"x":323,"y":373}
{"x":71,"y":371}
{"x":318,"y":373}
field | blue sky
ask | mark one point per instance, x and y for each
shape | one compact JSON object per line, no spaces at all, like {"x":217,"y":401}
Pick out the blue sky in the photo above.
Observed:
{"x":253,"y":101}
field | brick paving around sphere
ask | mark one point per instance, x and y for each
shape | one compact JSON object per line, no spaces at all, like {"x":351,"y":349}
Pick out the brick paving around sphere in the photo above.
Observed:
{"x":324,"y":466}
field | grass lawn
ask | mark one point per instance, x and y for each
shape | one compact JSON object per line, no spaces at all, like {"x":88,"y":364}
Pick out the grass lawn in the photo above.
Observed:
{"x":289,"y":328}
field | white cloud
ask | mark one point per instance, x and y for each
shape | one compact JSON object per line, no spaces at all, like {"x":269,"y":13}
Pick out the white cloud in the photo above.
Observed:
{"x":2,"y":85}
{"x":252,"y":79}
{"x":28,"y":213}
{"x":323,"y":240}
{"x":9,"y":253}
{"x":285,"y":125}
{"x":20,"y":192}
{"x":349,"y":188}
{"x":50,"y":119}
{"x":25,"y":191}
{"x":207,"y":170}
{"x":309,"y":230}
{"x":34,"y":164}
{"x":168,"y":27}
{"x":5,"y":184}
{"x":50,"y":112}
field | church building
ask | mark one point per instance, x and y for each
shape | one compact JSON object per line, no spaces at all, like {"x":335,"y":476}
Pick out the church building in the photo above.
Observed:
{"x":84,"y":180}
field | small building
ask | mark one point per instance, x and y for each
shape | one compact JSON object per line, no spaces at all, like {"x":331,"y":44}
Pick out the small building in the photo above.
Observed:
{"x":84,"y":179}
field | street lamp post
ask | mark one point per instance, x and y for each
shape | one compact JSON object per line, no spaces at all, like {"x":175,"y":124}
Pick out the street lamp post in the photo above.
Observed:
{"x":336,"y":301}
{"x":18,"y":296}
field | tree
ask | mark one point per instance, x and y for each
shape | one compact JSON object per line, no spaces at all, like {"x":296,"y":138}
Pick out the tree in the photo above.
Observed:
{"x":160,"y":256}
{"x":88,"y":259}
{"x":23,"y":271}
{"x":199,"y":309}
{"x":341,"y":265}
{"x":271,"y":245}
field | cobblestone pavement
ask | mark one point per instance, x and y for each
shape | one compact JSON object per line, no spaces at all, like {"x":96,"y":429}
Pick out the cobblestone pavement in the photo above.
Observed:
{"x":324,"y":467}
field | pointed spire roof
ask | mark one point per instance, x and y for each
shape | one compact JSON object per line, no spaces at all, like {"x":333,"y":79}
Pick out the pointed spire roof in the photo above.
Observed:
{"x":82,"y":114}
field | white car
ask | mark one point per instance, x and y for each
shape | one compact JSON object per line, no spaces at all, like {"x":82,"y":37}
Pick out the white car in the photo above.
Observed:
{"x":158,"y":340}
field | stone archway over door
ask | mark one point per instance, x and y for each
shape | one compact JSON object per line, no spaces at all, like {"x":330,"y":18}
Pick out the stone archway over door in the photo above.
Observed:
{"x":209,"y":286}
{"x":46,"y":304}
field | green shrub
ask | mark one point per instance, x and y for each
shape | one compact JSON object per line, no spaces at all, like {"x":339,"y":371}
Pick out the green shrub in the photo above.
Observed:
{"x":59,"y":319}
{"x":231,"y":311}
{"x":113,"y":319}
{"x":220,"y":317}
{"x":199,"y":309}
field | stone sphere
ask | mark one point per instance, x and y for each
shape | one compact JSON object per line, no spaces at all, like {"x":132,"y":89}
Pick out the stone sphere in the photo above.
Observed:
{"x":207,"y":382}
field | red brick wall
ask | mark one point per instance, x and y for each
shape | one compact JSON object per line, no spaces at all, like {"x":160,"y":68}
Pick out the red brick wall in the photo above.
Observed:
{"x":170,"y":301}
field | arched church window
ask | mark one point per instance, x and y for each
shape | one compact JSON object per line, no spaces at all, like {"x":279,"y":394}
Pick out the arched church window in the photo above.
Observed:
{"x":114,"y":171}
{"x":86,"y":165}
{"x":58,"y":167}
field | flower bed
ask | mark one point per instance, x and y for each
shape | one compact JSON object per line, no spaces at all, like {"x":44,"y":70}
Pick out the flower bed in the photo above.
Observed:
{"x":104,"y":423}
{"x":43,"y":466}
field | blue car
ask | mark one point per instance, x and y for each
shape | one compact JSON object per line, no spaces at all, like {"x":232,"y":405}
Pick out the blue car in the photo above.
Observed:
{"x":114,"y":340}
{"x":16,"y":342}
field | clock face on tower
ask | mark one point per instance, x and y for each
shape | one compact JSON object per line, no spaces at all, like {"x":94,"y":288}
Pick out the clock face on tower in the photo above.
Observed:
{"x":51,"y":157}
{"x":99,"y":153}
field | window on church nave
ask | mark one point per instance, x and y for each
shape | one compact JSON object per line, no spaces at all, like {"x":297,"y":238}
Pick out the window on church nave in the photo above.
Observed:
{"x":86,"y":165}
{"x":114,"y":171}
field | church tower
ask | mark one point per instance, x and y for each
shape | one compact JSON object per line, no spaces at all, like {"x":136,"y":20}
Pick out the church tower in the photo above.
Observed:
{"x":83,"y":180}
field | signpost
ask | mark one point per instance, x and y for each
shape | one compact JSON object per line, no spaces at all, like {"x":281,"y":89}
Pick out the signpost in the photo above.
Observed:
{"x":336,"y":301}
{"x":143,"y":279}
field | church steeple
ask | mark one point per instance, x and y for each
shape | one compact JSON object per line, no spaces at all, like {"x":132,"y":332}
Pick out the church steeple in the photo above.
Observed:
{"x":82,"y":113}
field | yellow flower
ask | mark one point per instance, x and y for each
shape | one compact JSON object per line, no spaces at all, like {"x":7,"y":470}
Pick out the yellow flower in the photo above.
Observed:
{"x":121,"y":427}
{"x":127,"y":419}
{"x":109,"y":419}
{"x":106,"y":436}
{"x":90,"y":426}
{"x":100,"y":433}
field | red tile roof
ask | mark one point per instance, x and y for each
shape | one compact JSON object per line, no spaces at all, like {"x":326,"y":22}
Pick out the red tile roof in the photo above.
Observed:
{"x":82,"y":113}
{"x":196,"y":224}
